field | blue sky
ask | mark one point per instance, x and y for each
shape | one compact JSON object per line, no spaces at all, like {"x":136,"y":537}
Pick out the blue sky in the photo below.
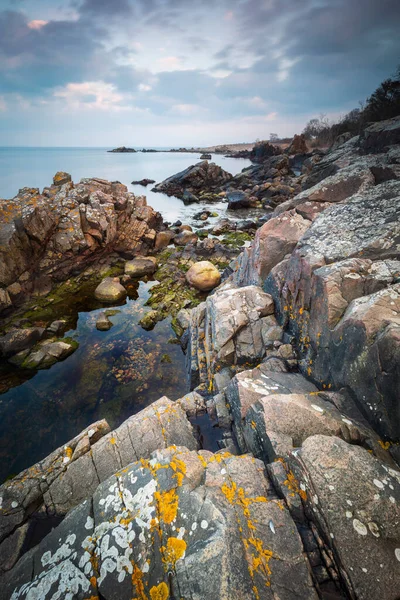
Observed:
{"x":183,"y":72}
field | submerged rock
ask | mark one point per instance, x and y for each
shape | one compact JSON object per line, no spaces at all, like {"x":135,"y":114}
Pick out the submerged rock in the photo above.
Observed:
{"x":203,"y":276}
{"x":47,"y":353}
{"x":103,"y":323}
{"x":110,"y":290}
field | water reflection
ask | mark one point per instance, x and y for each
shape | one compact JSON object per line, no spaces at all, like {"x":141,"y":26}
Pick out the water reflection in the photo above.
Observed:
{"x":112,"y":375}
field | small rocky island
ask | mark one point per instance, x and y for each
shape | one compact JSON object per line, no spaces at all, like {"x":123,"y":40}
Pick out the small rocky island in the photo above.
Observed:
{"x":122,"y":149}
{"x":293,"y":354}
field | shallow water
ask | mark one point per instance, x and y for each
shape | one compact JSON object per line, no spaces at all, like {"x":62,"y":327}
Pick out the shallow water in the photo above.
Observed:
{"x":112,"y":375}
{"x":35,"y":167}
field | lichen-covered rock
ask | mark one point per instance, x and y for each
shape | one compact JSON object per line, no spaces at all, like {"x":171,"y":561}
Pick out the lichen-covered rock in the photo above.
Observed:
{"x":278,"y":423}
{"x":183,"y":525}
{"x":110,"y":290}
{"x":185,"y":237}
{"x":203,"y":275}
{"x":249,"y":386}
{"x":338,"y":295}
{"x":70,"y":474}
{"x":378,"y":137}
{"x":354,"y":500}
{"x":140,"y":266}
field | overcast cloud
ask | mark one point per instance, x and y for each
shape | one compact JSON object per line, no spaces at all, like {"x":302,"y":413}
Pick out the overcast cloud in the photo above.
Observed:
{"x":174,"y":72}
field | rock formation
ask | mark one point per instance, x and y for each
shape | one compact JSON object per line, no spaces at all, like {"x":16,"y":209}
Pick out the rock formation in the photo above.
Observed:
{"x":46,"y":236}
{"x":195,"y":181}
{"x":295,"y":358}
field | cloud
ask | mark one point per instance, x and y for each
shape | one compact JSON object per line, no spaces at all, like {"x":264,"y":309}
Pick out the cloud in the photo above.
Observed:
{"x":143,"y":87}
{"x":3,"y":105}
{"x":186,"y":109}
{"x":96,"y":95}
{"x":36,"y":24}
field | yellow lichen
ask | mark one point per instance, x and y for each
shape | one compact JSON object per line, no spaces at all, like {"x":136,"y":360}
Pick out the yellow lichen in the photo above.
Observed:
{"x":159,"y":592}
{"x":173,"y":551}
{"x":229,"y":491}
{"x":167,"y":505}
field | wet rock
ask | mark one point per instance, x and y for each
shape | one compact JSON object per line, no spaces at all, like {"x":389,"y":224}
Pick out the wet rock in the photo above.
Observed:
{"x":183,"y":524}
{"x":110,"y":290}
{"x":185,"y":237}
{"x":192,"y":404}
{"x":163,"y":239}
{"x":57,"y":327}
{"x":204,"y":177}
{"x":103,"y":323}
{"x":144,"y":182}
{"x":203,"y":276}
{"x":223,"y":226}
{"x":237,"y":199}
{"x":47,"y":353}
{"x":141,"y":266}
{"x":149,"y":320}
{"x":353,"y":498}
{"x":17,"y":340}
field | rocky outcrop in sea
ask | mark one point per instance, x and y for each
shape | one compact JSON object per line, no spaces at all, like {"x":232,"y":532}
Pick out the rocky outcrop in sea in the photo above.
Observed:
{"x":294,"y":357}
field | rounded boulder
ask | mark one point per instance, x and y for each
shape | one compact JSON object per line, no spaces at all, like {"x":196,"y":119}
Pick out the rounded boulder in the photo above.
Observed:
{"x":110,"y":290}
{"x":203,"y":276}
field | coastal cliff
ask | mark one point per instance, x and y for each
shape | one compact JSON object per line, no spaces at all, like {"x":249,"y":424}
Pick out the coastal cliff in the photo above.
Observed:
{"x":294,"y":357}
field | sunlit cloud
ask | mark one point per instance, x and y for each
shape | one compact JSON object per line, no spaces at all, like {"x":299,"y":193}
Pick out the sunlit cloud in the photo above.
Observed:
{"x":91,"y":95}
{"x":37,"y":24}
{"x":143,"y":87}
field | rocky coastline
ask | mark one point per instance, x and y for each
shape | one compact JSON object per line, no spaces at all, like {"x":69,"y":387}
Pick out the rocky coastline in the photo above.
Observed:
{"x":291,"y":327}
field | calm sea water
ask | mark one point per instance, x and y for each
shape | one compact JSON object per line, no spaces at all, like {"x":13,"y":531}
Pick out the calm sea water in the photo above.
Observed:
{"x":35,"y":167}
{"x":113,"y":374}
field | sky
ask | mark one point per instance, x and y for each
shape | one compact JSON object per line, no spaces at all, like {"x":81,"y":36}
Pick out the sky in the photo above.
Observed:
{"x":186,"y":72}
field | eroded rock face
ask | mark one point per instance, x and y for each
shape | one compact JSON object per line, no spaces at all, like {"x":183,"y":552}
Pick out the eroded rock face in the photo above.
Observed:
{"x":272,"y":242}
{"x":202,"y":177}
{"x":338,"y":295}
{"x":183,"y":524}
{"x":72,"y":473}
{"x":354,"y":500}
{"x":233,"y":326}
{"x":43,"y":237}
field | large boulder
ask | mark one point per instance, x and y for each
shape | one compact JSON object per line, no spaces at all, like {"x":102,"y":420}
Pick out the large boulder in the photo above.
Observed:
{"x":379,"y":136}
{"x":353,"y":499}
{"x":278,"y":423}
{"x":298,"y":145}
{"x":110,"y":290}
{"x":202,"y":177}
{"x":183,"y":525}
{"x":203,"y":275}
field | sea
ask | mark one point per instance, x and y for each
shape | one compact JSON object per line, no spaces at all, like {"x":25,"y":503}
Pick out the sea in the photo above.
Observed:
{"x":35,"y":167}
